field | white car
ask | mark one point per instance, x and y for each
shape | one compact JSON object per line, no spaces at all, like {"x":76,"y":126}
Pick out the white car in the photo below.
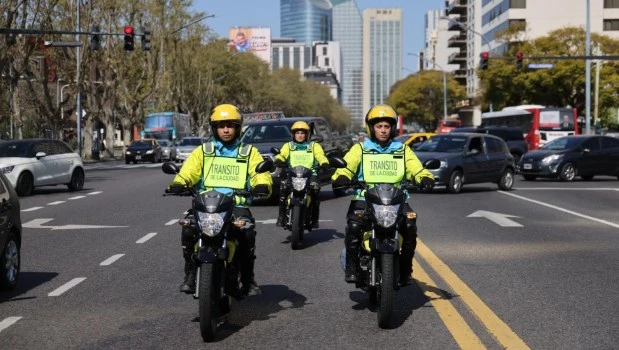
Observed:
{"x":40,"y":162}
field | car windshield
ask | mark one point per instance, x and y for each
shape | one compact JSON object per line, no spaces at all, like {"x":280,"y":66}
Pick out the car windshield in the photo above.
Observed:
{"x":266,"y":133}
{"x":401,"y":138}
{"x":164,"y":143}
{"x":15,"y":149}
{"x":446,"y":143}
{"x":140,"y":144}
{"x":191,"y":142}
{"x":563,"y":143}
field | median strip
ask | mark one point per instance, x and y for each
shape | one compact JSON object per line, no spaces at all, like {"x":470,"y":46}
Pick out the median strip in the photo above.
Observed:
{"x":65,"y":287}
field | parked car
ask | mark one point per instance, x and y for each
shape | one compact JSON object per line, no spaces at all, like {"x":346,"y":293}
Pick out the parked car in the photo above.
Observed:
{"x":32,"y":163}
{"x":570,"y":156}
{"x":10,"y":235}
{"x":168,"y":150}
{"x":414,"y":139}
{"x":143,"y":150}
{"x":468,"y":158}
{"x":513,"y":136}
{"x":187,"y":145}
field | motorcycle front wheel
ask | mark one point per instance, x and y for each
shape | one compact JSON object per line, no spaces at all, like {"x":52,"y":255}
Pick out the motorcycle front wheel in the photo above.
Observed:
{"x":208,"y":295}
{"x":297,"y":224}
{"x":385,"y":292}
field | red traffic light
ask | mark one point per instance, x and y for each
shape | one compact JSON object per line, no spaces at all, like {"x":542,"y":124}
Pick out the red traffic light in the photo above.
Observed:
{"x":519,"y":55}
{"x":485,"y":54}
{"x":128,"y":30}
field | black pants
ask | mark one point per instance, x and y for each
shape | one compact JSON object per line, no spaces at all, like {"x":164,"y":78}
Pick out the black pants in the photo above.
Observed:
{"x":357,"y":225}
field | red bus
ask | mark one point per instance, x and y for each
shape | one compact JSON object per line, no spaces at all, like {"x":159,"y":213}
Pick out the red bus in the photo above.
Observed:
{"x":446,"y":125}
{"x":539,"y":124}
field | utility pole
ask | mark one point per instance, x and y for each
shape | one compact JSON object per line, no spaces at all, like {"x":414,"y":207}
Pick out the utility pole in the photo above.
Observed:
{"x":78,"y":114}
{"x":588,"y":72}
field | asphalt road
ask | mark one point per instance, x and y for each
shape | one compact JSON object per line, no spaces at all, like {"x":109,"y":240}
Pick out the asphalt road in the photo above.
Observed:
{"x":543,"y":277}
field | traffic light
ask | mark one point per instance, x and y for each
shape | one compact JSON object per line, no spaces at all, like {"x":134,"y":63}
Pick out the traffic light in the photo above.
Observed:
{"x":129,"y":35}
{"x":95,"y":38}
{"x":519,"y":57}
{"x":145,"y":39}
{"x":483,"y":62}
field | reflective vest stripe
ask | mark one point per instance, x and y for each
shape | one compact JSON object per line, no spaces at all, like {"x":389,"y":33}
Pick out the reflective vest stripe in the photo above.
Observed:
{"x":383,"y":167}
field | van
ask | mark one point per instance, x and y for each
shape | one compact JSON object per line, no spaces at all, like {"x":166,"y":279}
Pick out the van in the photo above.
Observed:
{"x":511,"y":135}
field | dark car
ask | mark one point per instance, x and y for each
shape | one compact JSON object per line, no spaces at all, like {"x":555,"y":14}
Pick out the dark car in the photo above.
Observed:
{"x":468,"y":158}
{"x":143,"y":150}
{"x":513,"y":137}
{"x":571,"y":156}
{"x":10,"y":235}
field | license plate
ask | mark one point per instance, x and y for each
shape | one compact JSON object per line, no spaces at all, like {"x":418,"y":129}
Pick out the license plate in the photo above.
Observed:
{"x":138,"y":157}
{"x":527,"y":166}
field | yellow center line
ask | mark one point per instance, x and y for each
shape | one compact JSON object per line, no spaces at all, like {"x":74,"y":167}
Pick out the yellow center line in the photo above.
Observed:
{"x":501,"y":331}
{"x":459,"y":329}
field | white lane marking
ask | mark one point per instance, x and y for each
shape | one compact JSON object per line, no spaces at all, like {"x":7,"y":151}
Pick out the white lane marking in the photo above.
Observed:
{"x":152,"y":165}
{"x":171,"y":222}
{"x":568,"y":189}
{"x":186,"y":212}
{"x":111,"y":259}
{"x":93,"y":193}
{"x":272,"y":221}
{"x":124,"y":166}
{"x":7,"y":322}
{"x":31,"y":209}
{"x":146,"y":238}
{"x":55,"y":203}
{"x":65,"y":287}
{"x":76,"y":197}
{"x":562,"y":209}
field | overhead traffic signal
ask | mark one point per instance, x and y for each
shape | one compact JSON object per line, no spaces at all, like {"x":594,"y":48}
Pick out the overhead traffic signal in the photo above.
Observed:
{"x":519,"y":57}
{"x":145,"y":39}
{"x":129,"y":35}
{"x":483,"y":62}
{"x":95,"y":38}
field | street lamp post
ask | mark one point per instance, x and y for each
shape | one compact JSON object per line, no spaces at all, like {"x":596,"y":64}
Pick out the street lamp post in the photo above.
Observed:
{"x":588,"y":72}
{"x":444,"y":83}
{"x":78,"y":114}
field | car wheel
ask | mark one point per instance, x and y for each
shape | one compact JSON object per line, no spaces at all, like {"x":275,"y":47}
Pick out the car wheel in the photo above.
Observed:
{"x":135,"y":162}
{"x":25,"y":184}
{"x":9,"y":263}
{"x":77,"y":180}
{"x":587,"y":177}
{"x":568,"y":172}
{"x":455,"y":182}
{"x":529,"y":177}
{"x":126,"y":161}
{"x":507,"y":180}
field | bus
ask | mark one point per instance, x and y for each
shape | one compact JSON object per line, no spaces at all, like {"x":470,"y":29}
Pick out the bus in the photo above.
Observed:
{"x":170,"y":126}
{"x":445,"y":125}
{"x":539,"y":124}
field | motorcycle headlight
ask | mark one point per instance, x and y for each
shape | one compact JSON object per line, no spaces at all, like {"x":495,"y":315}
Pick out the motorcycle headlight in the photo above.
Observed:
{"x":7,"y":169}
{"x":298,"y":183}
{"x":386,"y":214}
{"x":211,"y":224}
{"x":551,"y":159}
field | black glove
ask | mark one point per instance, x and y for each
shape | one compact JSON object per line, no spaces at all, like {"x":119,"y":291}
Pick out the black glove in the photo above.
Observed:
{"x":341,"y":181}
{"x":279,"y":164}
{"x":426,"y":183}
{"x":261,"y":189}
{"x":176,"y":188}
{"x":324,"y":167}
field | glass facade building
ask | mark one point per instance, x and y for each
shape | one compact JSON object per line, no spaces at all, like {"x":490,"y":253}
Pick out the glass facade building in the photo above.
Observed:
{"x":348,"y":31}
{"x":306,"y":20}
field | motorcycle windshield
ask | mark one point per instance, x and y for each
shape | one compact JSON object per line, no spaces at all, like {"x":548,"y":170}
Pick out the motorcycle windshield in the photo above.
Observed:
{"x":385,"y":194}
{"x":214,"y":202}
{"x":301,"y":171}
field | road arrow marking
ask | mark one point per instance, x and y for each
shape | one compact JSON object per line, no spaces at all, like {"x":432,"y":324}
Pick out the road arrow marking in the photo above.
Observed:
{"x":38,"y":223}
{"x":498,"y":218}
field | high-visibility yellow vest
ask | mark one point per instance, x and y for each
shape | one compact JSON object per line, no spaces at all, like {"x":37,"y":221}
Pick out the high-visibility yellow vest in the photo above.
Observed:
{"x":221,"y":171}
{"x":383,"y":167}
{"x":301,"y":157}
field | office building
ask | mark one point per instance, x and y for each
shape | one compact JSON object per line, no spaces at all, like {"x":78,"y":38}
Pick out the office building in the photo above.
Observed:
{"x":437,"y":55}
{"x":290,"y":54}
{"x":306,"y":20}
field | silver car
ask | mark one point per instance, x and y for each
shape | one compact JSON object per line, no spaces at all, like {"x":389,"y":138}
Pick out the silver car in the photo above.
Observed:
{"x":168,"y":150}
{"x":187,"y":145}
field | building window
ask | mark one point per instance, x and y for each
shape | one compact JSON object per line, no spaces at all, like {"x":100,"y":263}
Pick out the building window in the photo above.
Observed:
{"x":326,"y":61}
{"x":324,"y":51}
{"x":296,"y":58}
{"x":517,"y":4}
{"x":611,"y":24}
{"x":611,"y":4}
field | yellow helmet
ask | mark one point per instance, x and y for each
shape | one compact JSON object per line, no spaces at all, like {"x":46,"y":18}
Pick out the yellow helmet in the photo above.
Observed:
{"x":226,"y":113}
{"x":380,"y":113}
{"x":300,"y":125}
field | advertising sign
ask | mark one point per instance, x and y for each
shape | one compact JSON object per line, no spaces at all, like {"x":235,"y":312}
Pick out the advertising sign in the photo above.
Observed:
{"x":251,"y":39}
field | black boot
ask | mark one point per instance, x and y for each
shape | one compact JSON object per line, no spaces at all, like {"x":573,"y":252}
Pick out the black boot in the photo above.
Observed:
{"x":281,"y":219}
{"x":315,"y":214}
{"x":189,"y":283}
{"x":406,"y":268}
{"x":352,"y":266}
{"x":250,"y":287}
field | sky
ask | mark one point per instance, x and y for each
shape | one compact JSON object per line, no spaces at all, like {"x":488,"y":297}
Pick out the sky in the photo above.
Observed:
{"x":265,"y":13}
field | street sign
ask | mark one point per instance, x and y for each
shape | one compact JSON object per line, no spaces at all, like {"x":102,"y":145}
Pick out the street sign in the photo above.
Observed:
{"x":540,"y":65}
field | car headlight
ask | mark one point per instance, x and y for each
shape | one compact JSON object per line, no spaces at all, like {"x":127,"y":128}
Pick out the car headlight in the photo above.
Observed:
{"x":298,"y":183}
{"x":7,"y":169}
{"x":386,"y":214}
{"x":443,"y":164}
{"x":128,"y":153}
{"x":150,"y":151}
{"x":550,"y":159}
{"x":211,"y":224}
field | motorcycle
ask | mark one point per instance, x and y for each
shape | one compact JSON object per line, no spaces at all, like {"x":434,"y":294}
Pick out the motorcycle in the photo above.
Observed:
{"x":299,"y":203}
{"x":218,"y":277}
{"x":379,"y":256}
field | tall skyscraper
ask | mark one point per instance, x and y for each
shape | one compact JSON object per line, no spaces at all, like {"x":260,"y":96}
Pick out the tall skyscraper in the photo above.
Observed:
{"x":306,"y":20}
{"x":348,"y":30}
{"x":382,"y":53}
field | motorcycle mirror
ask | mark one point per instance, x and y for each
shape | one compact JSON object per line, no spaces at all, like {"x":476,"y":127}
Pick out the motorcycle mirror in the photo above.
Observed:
{"x":170,"y":168}
{"x":332,"y":153}
{"x":275,"y":150}
{"x":432,"y":164}
{"x":337,"y":162}
{"x":264,"y":166}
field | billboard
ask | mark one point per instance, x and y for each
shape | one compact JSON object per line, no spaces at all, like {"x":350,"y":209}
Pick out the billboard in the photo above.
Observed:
{"x":256,"y":40}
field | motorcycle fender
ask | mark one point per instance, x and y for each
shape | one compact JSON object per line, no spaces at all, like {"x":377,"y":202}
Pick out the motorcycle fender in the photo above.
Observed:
{"x":367,"y":235}
{"x":297,"y":201}
{"x":388,"y":247}
{"x":206,"y":255}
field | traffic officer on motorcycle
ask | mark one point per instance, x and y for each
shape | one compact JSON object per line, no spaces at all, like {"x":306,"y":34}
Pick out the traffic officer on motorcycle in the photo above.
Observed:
{"x":301,"y":151}
{"x":200,"y":169}
{"x":381,"y":127}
